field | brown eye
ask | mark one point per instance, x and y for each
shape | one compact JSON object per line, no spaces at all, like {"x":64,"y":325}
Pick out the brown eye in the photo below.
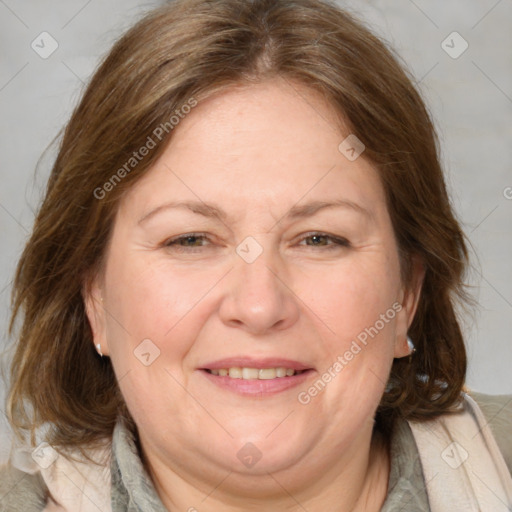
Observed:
{"x":183,"y":242}
{"x":190,"y":241}
{"x":325,"y":240}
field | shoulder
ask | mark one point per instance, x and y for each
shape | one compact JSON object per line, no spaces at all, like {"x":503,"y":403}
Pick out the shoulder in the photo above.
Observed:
{"x":21,"y":491}
{"x":497,"y":410}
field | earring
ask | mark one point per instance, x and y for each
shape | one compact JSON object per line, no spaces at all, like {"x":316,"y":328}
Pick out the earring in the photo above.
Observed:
{"x":412,"y":348}
{"x":98,"y":348}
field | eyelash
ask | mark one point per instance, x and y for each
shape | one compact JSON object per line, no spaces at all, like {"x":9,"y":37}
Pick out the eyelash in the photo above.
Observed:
{"x":337,"y":242}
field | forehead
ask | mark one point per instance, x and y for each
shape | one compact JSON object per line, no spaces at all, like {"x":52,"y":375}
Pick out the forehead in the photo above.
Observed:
{"x":268,"y":144}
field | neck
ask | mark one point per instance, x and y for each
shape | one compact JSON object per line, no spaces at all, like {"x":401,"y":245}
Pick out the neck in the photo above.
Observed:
{"x":354,"y":482}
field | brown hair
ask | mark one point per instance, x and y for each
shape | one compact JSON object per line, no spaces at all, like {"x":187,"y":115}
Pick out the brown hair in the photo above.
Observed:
{"x":190,"y":49}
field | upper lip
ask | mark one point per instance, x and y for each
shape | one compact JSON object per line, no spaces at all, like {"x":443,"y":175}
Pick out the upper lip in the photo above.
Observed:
{"x":250,"y":362}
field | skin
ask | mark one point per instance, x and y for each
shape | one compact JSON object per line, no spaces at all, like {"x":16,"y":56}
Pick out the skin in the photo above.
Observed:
{"x":255,"y":151}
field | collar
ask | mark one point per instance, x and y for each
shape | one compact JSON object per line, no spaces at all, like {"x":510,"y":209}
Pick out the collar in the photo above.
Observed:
{"x":406,"y":487}
{"x":132,"y":488}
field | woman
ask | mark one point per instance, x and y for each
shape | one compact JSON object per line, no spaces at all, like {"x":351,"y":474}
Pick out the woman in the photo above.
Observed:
{"x":241,"y":286}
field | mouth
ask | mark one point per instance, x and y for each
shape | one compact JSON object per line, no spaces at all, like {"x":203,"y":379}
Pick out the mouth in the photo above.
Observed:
{"x":259,"y":378}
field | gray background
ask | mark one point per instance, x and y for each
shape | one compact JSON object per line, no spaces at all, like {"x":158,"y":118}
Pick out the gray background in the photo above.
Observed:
{"x":470,"y":97}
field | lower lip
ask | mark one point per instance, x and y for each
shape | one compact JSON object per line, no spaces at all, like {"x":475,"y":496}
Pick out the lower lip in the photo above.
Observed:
{"x":257,"y":387}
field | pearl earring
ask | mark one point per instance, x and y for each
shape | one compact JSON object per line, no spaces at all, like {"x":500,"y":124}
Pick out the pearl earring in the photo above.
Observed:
{"x":98,"y":348}
{"x":412,"y":349}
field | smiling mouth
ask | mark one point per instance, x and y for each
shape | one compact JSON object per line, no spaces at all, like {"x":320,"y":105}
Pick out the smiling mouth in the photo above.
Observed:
{"x":255,"y":373}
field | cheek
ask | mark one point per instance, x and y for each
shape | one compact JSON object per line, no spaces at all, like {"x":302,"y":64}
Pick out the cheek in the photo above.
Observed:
{"x":167,"y":307}
{"x":355,"y":311}
{"x":354,"y":295}
{"x":156,"y":302}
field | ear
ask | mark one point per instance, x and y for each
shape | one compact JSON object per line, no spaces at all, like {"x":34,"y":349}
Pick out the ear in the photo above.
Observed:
{"x":96,"y":313}
{"x":410,"y":297}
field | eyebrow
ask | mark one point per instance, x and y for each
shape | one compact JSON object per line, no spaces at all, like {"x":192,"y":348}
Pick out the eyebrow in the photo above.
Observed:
{"x":296,"y":212}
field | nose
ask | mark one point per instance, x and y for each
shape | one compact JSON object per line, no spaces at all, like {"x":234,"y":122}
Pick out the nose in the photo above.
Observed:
{"x":259,"y":296}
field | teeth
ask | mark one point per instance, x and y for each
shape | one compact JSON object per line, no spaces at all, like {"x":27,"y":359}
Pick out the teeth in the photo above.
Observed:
{"x":249,"y":373}
{"x":235,"y":373}
{"x":281,"y":372}
{"x":255,"y":373}
{"x":267,"y":373}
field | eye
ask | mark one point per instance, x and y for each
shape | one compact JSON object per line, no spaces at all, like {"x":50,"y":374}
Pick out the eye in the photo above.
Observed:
{"x":324,"y":240}
{"x":193,"y":242}
{"x":186,"y":242}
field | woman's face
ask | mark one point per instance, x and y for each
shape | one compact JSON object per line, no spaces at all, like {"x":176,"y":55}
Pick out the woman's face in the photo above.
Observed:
{"x":288,"y":260}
